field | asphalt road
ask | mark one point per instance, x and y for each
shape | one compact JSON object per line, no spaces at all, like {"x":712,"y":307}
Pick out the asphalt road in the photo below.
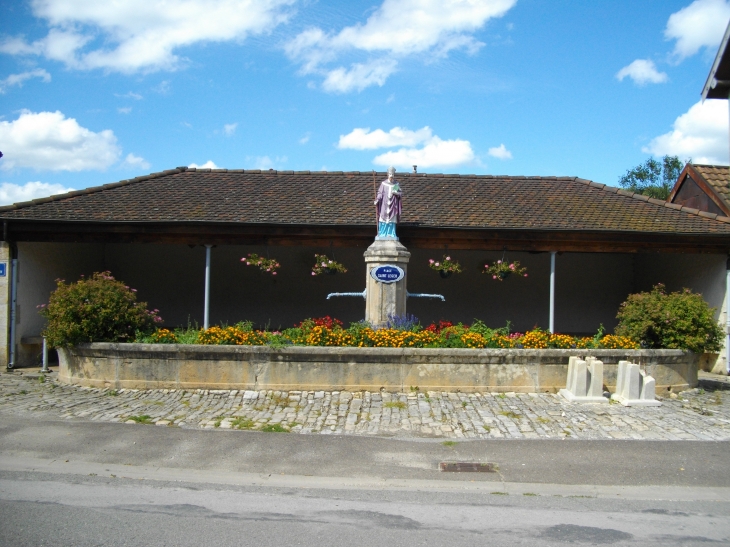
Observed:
{"x":84,"y":483}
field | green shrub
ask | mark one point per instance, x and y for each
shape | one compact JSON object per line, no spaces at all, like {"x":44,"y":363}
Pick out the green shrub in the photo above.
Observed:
{"x":680,"y":320}
{"x":98,"y":309}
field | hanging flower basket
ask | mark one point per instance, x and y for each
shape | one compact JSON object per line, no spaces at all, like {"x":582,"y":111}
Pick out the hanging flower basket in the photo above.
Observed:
{"x":501,"y":270}
{"x":445,"y":267}
{"x":267,"y":265}
{"x":325,"y":265}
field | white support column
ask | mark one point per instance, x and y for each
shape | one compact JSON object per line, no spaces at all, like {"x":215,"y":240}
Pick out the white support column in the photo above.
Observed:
{"x":551,"y":328}
{"x":727,"y":317}
{"x":206,"y":310}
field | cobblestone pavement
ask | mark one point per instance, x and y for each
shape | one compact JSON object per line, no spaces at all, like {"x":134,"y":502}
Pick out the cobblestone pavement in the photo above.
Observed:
{"x":693,"y":415}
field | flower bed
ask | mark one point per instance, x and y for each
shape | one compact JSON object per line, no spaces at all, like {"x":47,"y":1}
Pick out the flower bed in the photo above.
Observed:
{"x":326,"y":331}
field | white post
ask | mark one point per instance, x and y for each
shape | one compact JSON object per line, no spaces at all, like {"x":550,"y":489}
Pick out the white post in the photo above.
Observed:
{"x":552,"y":292}
{"x":206,"y":311}
{"x":727,"y":318}
{"x":13,"y":311}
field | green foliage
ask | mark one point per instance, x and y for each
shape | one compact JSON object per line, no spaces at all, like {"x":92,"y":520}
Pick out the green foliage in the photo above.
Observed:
{"x":98,"y":309}
{"x":680,"y":320}
{"x":652,"y":178}
{"x":274,"y":428}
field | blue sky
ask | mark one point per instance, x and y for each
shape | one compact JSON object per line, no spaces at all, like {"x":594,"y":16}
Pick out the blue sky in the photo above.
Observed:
{"x":94,"y":92}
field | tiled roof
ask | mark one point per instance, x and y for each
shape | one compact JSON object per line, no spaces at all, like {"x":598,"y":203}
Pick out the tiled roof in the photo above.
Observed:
{"x":346,"y":199}
{"x":718,"y":177}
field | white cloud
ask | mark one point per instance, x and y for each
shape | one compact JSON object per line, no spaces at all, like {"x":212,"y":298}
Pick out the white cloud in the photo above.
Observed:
{"x":18,"y":79}
{"x":50,"y":141}
{"x":642,"y":71}
{"x":142,"y":35}
{"x":15,"y":193}
{"x":265,"y":162}
{"x":359,"y":76}
{"x":395,"y":30}
{"x":124,"y":110}
{"x":305,"y":138}
{"x":500,"y":152}
{"x":163,"y":88}
{"x":135,"y":161}
{"x":436,"y":153}
{"x":701,"y":24}
{"x":701,"y":133}
{"x":130,"y":95}
{"x":229,"y":129}
{"x":207,"y":165}
{"x":364,"y":139}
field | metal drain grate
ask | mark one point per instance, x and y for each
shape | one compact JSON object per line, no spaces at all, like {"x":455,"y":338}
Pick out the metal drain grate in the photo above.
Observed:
{"x":468,"y":467}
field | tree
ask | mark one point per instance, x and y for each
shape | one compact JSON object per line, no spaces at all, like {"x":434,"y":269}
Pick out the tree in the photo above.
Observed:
{"x":652,"y":178}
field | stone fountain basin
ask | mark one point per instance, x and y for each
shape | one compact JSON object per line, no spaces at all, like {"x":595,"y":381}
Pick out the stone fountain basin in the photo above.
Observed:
{"x":295,"y":368}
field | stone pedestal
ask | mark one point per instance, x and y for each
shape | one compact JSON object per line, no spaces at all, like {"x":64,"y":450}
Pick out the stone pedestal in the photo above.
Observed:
{"x":385,"y":299}
{"x":634,"y":387}
{"x":585,"y":381}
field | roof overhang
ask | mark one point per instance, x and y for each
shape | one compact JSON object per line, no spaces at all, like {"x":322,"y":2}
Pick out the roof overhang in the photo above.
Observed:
{"x":412,"y":236}
{"x":717,"y":85}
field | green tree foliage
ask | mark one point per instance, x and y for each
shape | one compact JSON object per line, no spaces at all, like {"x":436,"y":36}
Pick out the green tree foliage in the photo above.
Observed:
{"x":98,"y":309}
{"x":679,"y":320}
{"x":653,"y":178}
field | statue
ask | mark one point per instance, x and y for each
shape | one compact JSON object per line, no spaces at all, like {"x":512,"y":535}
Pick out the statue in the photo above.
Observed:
{"x":388,"y":203}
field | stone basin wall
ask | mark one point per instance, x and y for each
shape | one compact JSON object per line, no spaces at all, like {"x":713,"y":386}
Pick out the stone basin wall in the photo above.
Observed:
{"x":172,"y":366}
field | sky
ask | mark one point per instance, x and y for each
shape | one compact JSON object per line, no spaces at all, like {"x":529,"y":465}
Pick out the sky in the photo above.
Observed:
{"x":95,"y":92}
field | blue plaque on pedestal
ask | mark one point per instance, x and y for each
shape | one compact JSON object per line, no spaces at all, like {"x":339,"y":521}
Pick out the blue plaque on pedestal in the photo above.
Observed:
{"x":3,"y":269}
{"x":387,"y":273}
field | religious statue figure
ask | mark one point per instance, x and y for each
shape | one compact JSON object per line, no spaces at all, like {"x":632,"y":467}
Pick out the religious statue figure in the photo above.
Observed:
{"x":388,"y":203}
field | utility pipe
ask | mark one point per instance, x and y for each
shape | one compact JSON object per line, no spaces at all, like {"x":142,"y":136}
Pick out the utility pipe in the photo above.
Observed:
{"x":551,"y":328}
{"x":13,"y":309}
{"x":206,"y":310}
{"x":44,"y":368}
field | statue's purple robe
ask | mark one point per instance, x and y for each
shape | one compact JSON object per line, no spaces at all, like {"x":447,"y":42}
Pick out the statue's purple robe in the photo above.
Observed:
{"x":388,"y":202}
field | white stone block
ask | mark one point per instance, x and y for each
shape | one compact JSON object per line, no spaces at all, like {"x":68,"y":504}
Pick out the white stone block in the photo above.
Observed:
{"x":634,"y":387}
{"x":585,"y":381}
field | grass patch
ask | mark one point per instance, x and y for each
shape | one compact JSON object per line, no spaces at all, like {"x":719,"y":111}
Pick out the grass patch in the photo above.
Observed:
{"x":395,"y":404}
{"x":112,"y":393}
{"x":487,"y":428}
{"x":242,"y":423}
{"x":543,"y":420}
{"x":41,"y":379}
{"x":22,"y":392}
{"x":463,"y":404}
{"x":143,"y":419}
{"x":499,"y":493}
{"x":449,"y":443}
{"x":511,"y":415}
{"x":274,"y":428}
{"x":529,"y":494}
{"x":218,"y":421}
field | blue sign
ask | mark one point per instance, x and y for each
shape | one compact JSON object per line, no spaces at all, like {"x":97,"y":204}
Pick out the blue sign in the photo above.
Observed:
{"x":387,"y":273}
{"x":3,"y":269}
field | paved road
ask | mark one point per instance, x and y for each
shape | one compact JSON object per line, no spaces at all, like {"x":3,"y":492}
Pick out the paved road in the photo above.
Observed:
{"x":70,"y":482}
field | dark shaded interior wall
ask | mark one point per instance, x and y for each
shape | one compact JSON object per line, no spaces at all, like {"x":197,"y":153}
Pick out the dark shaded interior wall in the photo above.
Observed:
{"x":589,"y":286}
